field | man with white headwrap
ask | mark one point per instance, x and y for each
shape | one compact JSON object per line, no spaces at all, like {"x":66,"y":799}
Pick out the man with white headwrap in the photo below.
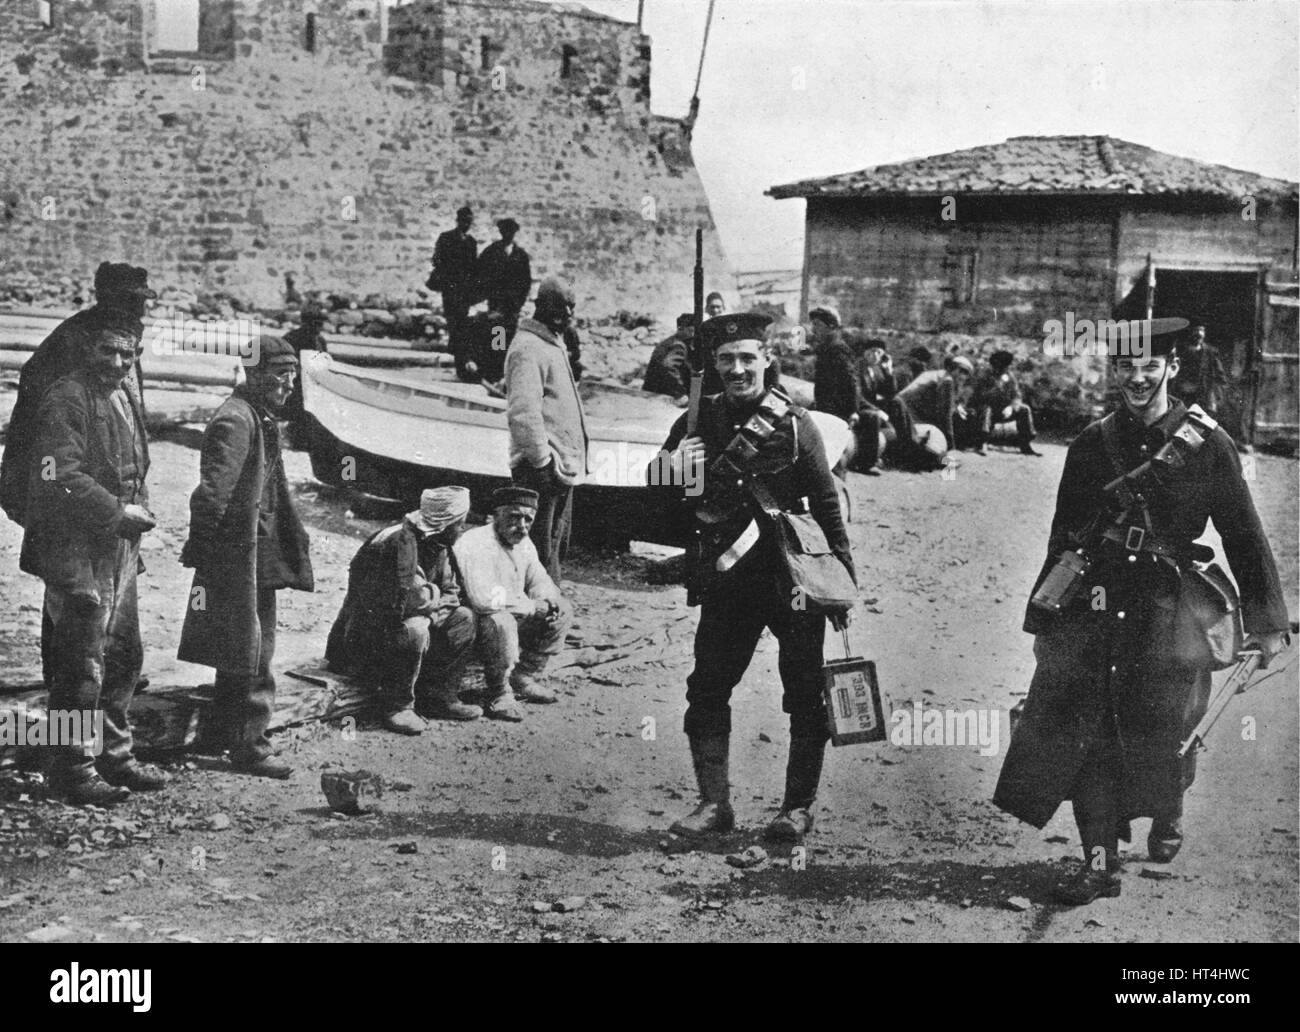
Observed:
{"x":403,"y":616}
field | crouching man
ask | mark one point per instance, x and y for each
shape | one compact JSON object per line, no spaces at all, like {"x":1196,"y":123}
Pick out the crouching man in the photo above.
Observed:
{"x":520,"y":614}
{"x":246,"y":542}
{"x":85,"y":514}
{"x":403,"y":620}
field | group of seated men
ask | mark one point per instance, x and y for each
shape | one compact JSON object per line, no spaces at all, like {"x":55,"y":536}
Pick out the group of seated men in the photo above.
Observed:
{"x":426,"y":596}
{"x":909,"y":417}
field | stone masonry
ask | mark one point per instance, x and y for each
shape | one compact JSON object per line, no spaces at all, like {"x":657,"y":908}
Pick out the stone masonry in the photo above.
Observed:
{"x":333,"y":140}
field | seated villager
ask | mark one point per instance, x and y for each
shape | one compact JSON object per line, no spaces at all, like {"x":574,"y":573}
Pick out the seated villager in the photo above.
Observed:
{"x":403,"y":620}
{"x":877,"y":387}
{"x":997,"y":400}
{"x":669,"y":369}
{"x":481,"y":354}
{"x":930,"y":398}
{"x":520,"y":614}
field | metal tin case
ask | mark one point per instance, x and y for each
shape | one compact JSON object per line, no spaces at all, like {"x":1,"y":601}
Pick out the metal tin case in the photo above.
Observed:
{"x":854,"y":710}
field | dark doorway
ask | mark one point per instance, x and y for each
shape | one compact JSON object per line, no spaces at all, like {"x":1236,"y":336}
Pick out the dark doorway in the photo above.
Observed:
{"x":1224,"y":302}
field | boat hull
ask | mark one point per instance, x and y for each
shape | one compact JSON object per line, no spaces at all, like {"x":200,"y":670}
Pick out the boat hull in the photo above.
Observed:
{"x":392,"y":435}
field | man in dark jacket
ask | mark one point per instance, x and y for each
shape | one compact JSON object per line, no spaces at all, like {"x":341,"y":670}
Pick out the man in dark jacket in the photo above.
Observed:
{"x":877,"y":388}
{"x":835,"y":380}
{"x":85,"y":511}
{"x":669,"y":369}
{"x":997,"y":400}
{"x":403,"y":621}
{"x":737,"y":586}
{"x":246,"y":542}
{"x":1117,"y":687}
{"x":455,"y":261}
{"x":505,"y":277}
{"x":122,"y":297}
{"x":306,"y":336}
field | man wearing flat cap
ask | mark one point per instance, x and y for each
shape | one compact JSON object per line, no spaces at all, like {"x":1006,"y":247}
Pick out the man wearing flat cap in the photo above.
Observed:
{"x":246,"y":542}
{"x":548,"y":428}
{"x":1123,"y":659}
{"x":86,"y":509}
{"x":505,"y":277}
{"x":997,"y":400}
{"x":520,"y":614}
{"x":122,"y":297}
{"x":403,"y":621}
{"x":836,"y":387}
{"x":777,"y":464}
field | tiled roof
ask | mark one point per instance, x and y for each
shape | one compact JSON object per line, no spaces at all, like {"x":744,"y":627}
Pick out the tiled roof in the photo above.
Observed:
{"x":1046,"y":165}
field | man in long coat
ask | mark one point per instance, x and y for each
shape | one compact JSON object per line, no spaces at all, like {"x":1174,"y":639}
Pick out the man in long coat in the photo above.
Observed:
{"x":246,"y":542}
{"x":1117,"y":688}
{"x":85,"y":512}
{"x":548,"y":428}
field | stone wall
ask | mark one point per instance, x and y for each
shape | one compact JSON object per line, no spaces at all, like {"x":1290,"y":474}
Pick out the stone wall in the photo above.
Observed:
{"x":225,"y":169}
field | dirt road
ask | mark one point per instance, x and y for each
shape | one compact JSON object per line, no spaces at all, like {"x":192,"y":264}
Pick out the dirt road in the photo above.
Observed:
{"x":553,"y":828}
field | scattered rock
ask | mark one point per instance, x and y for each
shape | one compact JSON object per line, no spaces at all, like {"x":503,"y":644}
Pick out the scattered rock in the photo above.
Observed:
{"x":217,"y":822}
{"x":569,"y":904}
{"x":753,"y":856}
{"x":49,"y":933}
{"x":1092,"y":922}
{"x":1060,"y":839}
{"x":539,"y":907}
{"x":762,"y":737}
{"x":407,"y":848}
{"x":351,"y":792}
{"x":1156,"y":873}
{"x":1019,"y":903}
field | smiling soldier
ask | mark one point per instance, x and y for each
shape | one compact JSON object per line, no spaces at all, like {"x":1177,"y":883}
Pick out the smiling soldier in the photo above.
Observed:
{"x":737,"y":585}
{"x":1120,"y":680}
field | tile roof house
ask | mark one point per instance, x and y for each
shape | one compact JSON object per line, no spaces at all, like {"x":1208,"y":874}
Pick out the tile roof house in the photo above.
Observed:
{"x":1004,"y":237}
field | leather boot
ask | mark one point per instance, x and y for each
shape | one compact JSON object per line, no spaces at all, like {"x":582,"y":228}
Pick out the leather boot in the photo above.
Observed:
{"x":803,"y":772}
{"x":710,"y":755}
{"x":1098,"y":874}
{"x":1165,"y":839}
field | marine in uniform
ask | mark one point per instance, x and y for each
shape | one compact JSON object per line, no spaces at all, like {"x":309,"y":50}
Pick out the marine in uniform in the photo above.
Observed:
{"x":738,"y":589}
{"x":1120,"y":683}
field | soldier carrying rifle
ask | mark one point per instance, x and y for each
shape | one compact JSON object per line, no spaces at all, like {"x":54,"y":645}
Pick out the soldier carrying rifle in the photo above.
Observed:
{"x":760,"y":456}
{"x":1119,"y":612}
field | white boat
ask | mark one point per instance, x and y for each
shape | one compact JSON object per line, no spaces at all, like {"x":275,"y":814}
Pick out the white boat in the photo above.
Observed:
{"x":391,"y":434}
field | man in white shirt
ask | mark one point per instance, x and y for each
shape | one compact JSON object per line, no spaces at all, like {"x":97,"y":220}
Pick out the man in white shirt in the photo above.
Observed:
{"x":520,"y":614}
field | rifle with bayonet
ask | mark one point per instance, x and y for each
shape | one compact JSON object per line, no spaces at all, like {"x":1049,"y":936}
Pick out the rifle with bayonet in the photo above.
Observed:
{"x":697,"y":339}
{"x":695,"y":546}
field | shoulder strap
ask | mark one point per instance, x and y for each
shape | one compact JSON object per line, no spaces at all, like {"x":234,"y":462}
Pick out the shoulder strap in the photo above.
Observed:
{"x":1110,"y":441}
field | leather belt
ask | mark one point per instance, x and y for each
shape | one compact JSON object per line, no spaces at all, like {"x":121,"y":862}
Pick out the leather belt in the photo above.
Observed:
{"x":1139,"y":539}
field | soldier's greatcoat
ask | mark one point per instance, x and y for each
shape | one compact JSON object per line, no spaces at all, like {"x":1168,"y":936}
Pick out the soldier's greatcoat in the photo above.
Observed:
{"x":1119,"y":671}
